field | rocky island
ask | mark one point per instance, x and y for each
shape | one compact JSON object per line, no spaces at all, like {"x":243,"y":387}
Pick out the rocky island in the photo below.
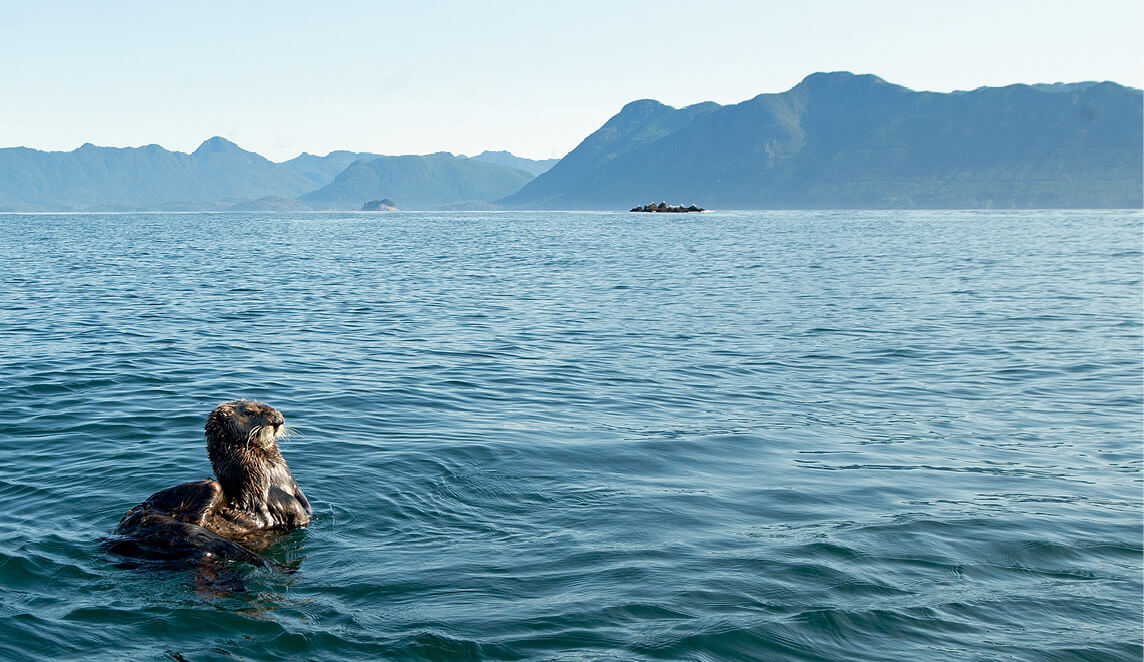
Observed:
{"x":385,"y":204}
{"x":664,"y":207}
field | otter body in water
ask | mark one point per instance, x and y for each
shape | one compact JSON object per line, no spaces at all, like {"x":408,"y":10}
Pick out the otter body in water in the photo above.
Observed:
{"x":254,"y":491}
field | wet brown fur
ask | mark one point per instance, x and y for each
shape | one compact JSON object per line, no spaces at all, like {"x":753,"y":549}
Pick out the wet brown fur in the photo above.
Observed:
{"x":254,"y":491}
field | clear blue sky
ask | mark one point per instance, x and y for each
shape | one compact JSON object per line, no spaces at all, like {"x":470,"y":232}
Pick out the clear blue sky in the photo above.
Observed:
{"x":532,"y":77}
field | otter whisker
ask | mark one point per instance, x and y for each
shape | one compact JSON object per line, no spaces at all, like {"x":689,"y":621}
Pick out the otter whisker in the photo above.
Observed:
{"x":254,"y":431}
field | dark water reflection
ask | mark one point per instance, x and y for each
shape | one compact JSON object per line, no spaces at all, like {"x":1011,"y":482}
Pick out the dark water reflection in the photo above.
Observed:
{"x":765,"y":435}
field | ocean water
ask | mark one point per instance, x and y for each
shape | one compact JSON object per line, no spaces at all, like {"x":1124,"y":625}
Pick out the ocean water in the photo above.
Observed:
{"x":728,"y":436}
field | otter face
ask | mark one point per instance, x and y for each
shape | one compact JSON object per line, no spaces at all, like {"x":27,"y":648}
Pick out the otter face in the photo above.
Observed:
{"x":245,"y":423}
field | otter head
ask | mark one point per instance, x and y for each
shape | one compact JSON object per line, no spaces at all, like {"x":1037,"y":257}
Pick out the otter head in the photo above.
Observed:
{"x":243,"y":423}
{"x":242,"y":440}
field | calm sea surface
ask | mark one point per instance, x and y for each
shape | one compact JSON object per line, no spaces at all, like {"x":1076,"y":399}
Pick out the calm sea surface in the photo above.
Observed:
{"x":728,"y":436}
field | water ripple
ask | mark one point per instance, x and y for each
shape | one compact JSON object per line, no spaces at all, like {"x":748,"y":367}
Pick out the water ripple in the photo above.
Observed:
{"x":752,"y":435}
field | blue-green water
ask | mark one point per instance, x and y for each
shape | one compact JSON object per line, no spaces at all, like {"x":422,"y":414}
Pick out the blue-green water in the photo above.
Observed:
{"x":811,"y":435}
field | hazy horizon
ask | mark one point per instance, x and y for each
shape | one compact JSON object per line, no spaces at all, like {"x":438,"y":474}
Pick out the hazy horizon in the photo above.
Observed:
{"x":418,"y":78}
{"x":455,"y":153}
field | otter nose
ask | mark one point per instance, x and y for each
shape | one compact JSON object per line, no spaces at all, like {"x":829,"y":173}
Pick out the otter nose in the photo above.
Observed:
{"x":276,"y":419}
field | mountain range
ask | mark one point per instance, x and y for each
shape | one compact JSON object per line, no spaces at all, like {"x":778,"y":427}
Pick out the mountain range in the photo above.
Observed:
{"x":93,"y":177}
{"x":222,"y":175}
{"x":835,"y":140}
{"x":418,"y":182}
{"x":840,"y":140}
{"x":505,"y":158}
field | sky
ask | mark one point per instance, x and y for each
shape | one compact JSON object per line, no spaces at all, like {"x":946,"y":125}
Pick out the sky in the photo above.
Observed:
{"x":535,"y":78}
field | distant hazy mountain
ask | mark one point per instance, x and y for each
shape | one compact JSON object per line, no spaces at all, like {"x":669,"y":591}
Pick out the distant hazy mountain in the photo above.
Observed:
{"x":321,"y":170}
{"x":135,"y":177}
{"x":845,"y":141}
{"x":833,"y":141}
{"x":268,"y":203}
{"x":219,"y":175}
{"x":417,"y":182}
{"x":506,"y":158}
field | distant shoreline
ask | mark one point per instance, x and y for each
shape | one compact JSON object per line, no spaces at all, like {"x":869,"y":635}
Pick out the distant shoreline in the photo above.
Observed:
{"x":566,"y":211}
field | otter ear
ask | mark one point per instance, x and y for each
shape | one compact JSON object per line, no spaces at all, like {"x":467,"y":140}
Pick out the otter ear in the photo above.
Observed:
{"x":218,"y":415}
{"x":223,"y":410}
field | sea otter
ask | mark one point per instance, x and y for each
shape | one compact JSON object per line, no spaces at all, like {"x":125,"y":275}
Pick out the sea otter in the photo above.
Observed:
{"x":255,"y":491}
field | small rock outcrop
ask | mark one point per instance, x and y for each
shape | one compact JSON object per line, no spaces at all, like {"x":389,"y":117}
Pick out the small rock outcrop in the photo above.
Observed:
{"x":385,"y":204}
{"x":664,"y":207}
